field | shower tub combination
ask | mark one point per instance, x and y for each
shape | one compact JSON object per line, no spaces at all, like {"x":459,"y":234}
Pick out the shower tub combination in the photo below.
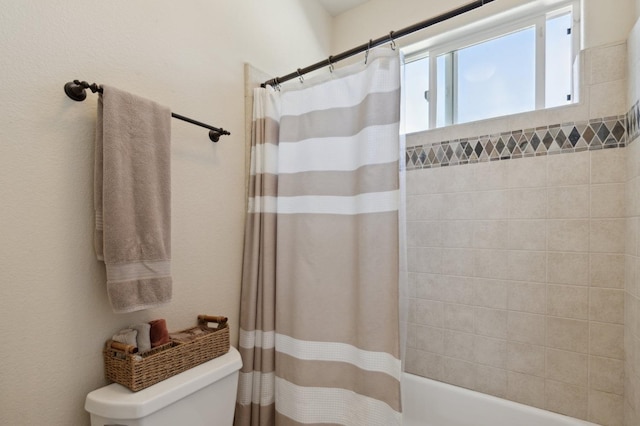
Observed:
{"x":427,"y":402}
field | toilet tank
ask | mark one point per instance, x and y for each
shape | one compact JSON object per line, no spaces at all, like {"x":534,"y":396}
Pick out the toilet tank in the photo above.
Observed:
{"x":203,"y":395}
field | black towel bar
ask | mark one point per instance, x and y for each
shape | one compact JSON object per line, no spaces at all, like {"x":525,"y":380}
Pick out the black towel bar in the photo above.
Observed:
{"x":77,"y":90}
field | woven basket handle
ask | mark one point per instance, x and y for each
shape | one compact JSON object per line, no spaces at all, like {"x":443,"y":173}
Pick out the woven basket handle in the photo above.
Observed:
{"x":205,"y":319}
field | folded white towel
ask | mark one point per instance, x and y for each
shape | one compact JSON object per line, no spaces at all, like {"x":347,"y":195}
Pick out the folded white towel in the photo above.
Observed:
{"x":126,"y":336}
{"x":143,"y":337}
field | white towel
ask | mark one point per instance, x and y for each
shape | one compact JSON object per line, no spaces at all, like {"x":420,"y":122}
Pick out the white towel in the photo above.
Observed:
{"x":132,"y":198}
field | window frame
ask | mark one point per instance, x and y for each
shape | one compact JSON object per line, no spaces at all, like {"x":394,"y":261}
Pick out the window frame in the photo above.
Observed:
{"x":488,"y":30}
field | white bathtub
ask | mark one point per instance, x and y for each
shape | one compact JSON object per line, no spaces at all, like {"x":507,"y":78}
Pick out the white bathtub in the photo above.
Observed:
{"x":427,"y":402}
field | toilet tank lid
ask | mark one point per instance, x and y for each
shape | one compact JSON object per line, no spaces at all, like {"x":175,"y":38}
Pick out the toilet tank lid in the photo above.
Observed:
{"x":117,"y":402}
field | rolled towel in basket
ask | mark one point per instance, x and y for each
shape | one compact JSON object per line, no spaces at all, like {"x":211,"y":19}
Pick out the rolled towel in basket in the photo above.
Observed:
{"x":158,"y":333}
{"x":143,"y":338}
{"x":126,"y":336}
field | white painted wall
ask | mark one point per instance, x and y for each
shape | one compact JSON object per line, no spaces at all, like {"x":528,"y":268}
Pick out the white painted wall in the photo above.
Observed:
{"x":54,"y":312}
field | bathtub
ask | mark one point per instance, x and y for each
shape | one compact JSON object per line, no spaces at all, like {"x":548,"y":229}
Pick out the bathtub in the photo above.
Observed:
{"x":427,"y":402}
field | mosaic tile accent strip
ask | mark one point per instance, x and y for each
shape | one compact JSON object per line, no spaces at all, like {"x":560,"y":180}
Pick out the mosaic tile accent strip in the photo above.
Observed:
{"x":609,"y":132}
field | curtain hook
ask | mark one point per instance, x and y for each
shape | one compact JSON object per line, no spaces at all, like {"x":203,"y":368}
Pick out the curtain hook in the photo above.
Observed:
{"x":300,"y":77}
{"x":393,"y":42}
{"x":330,"y":63}
{"x":277,"y":84}
{"x":366,"y":55}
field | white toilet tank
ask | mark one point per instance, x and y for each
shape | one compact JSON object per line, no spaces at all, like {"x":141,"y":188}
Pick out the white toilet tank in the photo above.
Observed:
{"x":201,"y":396}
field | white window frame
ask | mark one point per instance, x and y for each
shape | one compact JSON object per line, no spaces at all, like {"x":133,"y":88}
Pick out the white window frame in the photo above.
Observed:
{"x":491,"y":29}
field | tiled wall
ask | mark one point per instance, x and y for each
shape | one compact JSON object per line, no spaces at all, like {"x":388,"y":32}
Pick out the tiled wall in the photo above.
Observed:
{"x":517,"y":267}
{"x":632,"y":249}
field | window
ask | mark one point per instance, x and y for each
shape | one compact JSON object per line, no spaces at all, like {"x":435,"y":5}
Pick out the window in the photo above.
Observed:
{"x":512,"y":68}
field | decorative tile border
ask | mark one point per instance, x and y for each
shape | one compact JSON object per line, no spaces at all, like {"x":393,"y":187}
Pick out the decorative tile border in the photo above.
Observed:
{"x":602,"y":133}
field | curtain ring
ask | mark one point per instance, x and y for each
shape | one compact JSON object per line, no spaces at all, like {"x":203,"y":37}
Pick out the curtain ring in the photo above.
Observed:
{"x":330,"y":64}
{"x":366,"y":55}
{"x":393,"y":42}
{"x":300,"y":77}
{"x":277,"y":84}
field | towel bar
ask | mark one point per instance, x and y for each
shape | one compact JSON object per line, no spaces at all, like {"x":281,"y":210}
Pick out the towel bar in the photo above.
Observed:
{"x":77,"y":90}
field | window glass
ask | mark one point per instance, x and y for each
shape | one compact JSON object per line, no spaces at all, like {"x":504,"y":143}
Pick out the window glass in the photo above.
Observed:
{"x":496,"y":77}
{"x":558,"y":61}
{"x":416,"y":103}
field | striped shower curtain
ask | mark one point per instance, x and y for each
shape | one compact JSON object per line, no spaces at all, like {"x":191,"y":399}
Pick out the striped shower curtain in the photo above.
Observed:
{"x":319,"y":331}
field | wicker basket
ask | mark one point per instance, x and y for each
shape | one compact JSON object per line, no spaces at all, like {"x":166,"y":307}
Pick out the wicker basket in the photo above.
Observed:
{"x":139,"y":371}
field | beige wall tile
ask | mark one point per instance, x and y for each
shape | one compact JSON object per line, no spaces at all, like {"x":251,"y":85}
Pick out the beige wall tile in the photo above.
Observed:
{"x":607,"y":166}
{"x":490,"y":176}
{"x":632,"y":188}
{"x":427,"y":260}
{"x":607,"y":99}
{"x":456,"y":289}
{"x":526,"y":389}
{"x":525,"y":358}
{"x":606,"y":408}
{"x":459,"y":345}
{"x":606,"y":305}
{"x":567,"y":367}
{"x":526,"y":328}
{"x":491,"y":322}
{"x":459,"y":373}
{"x":457,"y":206}
{"x":424,"y":207}
{"x":490,"y":234}
{"x":568,"y":301}
{"x":527,"y":234}
{"x":568,"y":268}
{"x":457,"y":262}
{"x":568,"y":202}
{"x":568,"y":334}
{"x":607,"y":235}
{"x":456,"y":179}
{"x":424,"y":234}
{"x":529,"y":203}
{"x":606,"y":375}
{"x":607,"y":200}
{"x":527,"y":297}
{"x":457,"y":233}
{"x":527,"y":265}
{"x":427,"y":286}
{"x":458,"y":317}
{"x":490,"y":293}
{"x":491,"y":264}
{"x":608,"y":63}
{"x":424,"y":364}
{"x":566,"y":399}
{"x":527,"y":172}
{"x":606,"y":340}
{"x":607,"y":270}
{"x":490,"y":351}
{"x":568,"y":169}
{"x":568,"y":235}
{"x":490,"y":205}
{"x":492,"y":381}
{"x":631,"y":236}
{"x":428,"y":312}
{"x":428,"y":339}
{"x":420,"y":182}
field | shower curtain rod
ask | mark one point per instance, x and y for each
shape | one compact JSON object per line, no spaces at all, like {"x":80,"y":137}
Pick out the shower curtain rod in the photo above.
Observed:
{"x":76,"y":90}
{"x":377,"y":42}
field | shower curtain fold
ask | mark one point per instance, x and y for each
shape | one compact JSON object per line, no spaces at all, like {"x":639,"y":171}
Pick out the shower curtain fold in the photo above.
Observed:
{"x":319,"y":332}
